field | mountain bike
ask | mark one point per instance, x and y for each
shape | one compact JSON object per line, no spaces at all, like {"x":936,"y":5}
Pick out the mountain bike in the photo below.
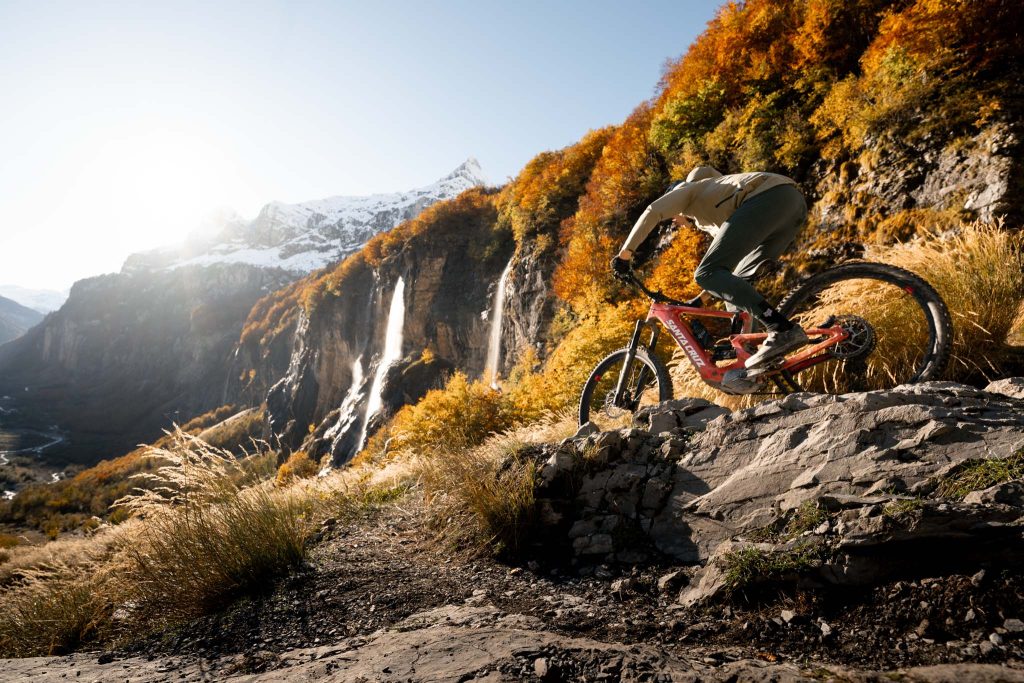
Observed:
{"x":870,"y":326}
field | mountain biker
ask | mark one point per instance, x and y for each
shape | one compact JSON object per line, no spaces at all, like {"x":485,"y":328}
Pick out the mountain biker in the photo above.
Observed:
{"x":753,"y":217}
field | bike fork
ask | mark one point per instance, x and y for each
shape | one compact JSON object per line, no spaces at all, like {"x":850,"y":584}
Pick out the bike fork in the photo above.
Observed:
{"x":634,"y":343}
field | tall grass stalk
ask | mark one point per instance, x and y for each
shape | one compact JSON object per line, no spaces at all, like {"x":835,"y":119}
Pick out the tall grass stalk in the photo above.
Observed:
{"x":979,"y":272}
{"x":212,"y":530}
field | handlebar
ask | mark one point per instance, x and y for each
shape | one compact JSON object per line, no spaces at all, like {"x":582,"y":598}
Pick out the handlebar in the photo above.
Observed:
{"x":657,"y":297}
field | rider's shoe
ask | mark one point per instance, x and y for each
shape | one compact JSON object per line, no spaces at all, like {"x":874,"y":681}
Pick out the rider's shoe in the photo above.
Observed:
{"x":776,"y":345}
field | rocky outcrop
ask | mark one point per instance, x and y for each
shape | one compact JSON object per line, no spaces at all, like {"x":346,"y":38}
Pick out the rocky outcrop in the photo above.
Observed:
{"x":849,"y":489}
{"x":977,"y":175}
{"x":127,"y":355}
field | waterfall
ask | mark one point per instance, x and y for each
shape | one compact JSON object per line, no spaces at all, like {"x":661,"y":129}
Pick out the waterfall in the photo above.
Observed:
{"x":392,"y":352}
{"x":497,"y":315}
{"x":348,"y":413}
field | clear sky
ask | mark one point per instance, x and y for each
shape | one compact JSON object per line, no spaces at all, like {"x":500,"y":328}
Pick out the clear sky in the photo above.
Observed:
{"x":123,"y":125}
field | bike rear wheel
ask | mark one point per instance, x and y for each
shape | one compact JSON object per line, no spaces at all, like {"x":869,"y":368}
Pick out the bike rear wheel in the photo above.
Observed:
{"x":647,"y":383}
{"x":900,"y":329}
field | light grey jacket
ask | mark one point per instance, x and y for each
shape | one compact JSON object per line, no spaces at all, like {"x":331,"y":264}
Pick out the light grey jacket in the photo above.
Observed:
{"x":707,"y":196}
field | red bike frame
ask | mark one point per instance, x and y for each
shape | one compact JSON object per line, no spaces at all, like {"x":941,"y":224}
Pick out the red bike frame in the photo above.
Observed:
{"x":674,"y":318}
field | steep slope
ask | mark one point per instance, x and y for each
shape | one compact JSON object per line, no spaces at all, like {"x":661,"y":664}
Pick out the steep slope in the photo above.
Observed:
{"x":15,"y":319}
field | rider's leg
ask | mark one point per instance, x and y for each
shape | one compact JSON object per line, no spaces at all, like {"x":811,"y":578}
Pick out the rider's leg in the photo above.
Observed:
{"x":762,"y":228}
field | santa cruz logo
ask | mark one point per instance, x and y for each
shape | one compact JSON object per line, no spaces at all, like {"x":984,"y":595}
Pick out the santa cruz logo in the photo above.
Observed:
{"x":681,"y":338}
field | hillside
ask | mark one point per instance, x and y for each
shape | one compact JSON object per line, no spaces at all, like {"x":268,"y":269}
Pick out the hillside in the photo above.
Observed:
{"x":641,"y":555}
{"x":42,"y":300}
{"x":900,"y":120}
{"x":923,"y":148}
{"x":15,"y":319}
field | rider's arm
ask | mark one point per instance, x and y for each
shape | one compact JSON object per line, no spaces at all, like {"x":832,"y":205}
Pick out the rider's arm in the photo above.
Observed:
{"x":663,"y":208}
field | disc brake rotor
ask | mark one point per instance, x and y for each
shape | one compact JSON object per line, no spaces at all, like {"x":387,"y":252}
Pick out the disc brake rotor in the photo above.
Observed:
{"x":609,"y":408}
{"x":861,"y":340}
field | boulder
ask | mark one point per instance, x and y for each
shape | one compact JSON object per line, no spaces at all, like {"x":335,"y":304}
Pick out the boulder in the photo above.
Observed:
{"x":851,"y":472}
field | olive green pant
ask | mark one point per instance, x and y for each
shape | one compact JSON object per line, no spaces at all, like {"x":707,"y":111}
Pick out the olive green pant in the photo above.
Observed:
{"x":762,"y":228}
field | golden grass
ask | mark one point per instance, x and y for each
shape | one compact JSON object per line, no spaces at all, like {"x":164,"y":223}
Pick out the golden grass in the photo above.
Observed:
{"x":298,"y":466}
{"x":212,"y":530}
{"x":482,"y":497}
{"x":978,"y":271}
{"x":211,"y":527}
{"x":49,"y":613}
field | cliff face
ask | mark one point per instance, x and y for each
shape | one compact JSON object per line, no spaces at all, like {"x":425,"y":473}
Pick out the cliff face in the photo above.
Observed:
{"x":337,"y":345}
{"x":938,"y":180}
{"x":530,"y":305}
{"x":129,"y":354}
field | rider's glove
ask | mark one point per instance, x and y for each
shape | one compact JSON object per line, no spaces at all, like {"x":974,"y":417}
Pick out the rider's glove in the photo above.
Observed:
{"x":620,"y":268}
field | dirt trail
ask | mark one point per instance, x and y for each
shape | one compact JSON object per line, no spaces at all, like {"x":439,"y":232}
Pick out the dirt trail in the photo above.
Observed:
{"x":378,"y":601}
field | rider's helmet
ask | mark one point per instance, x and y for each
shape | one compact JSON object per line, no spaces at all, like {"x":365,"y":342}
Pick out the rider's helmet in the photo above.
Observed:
{"x":703,"y":172}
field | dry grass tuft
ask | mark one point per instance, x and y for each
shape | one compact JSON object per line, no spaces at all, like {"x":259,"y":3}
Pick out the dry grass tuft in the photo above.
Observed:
{"x":483,"y":497}
{"x":979,"y":272}
{"x":212,"y":530}
{"x":49,"y":613}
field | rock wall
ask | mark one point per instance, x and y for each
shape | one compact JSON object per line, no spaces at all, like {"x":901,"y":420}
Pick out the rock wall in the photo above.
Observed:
{"x":976,"y":176}
{"x":447,"y":300}
{"x":863,"y":473}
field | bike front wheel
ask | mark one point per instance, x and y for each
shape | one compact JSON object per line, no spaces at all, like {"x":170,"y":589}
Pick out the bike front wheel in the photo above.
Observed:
{"x":647,"y":383}
{"x":899,"y":328}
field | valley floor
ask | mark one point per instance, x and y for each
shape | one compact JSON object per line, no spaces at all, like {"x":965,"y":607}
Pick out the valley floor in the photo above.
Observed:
{"x":380,"y":601}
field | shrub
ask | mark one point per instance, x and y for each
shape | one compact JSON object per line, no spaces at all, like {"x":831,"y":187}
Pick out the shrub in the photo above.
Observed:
{"x":751,"y":565}
{"x":298,"y":466}
{"x":452,"y":419}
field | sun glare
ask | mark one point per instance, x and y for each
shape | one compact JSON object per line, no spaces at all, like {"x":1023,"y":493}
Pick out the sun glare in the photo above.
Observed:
{"x":154,"y":186}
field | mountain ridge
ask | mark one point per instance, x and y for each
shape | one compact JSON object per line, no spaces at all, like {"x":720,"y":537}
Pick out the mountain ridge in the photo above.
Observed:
{"x":309,"y":235}
{"x":16,"y":319}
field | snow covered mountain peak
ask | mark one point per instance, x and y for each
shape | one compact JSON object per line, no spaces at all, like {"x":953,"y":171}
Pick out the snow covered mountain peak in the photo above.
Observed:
{"x":469,"y":170}
{"x":309,"y":235}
